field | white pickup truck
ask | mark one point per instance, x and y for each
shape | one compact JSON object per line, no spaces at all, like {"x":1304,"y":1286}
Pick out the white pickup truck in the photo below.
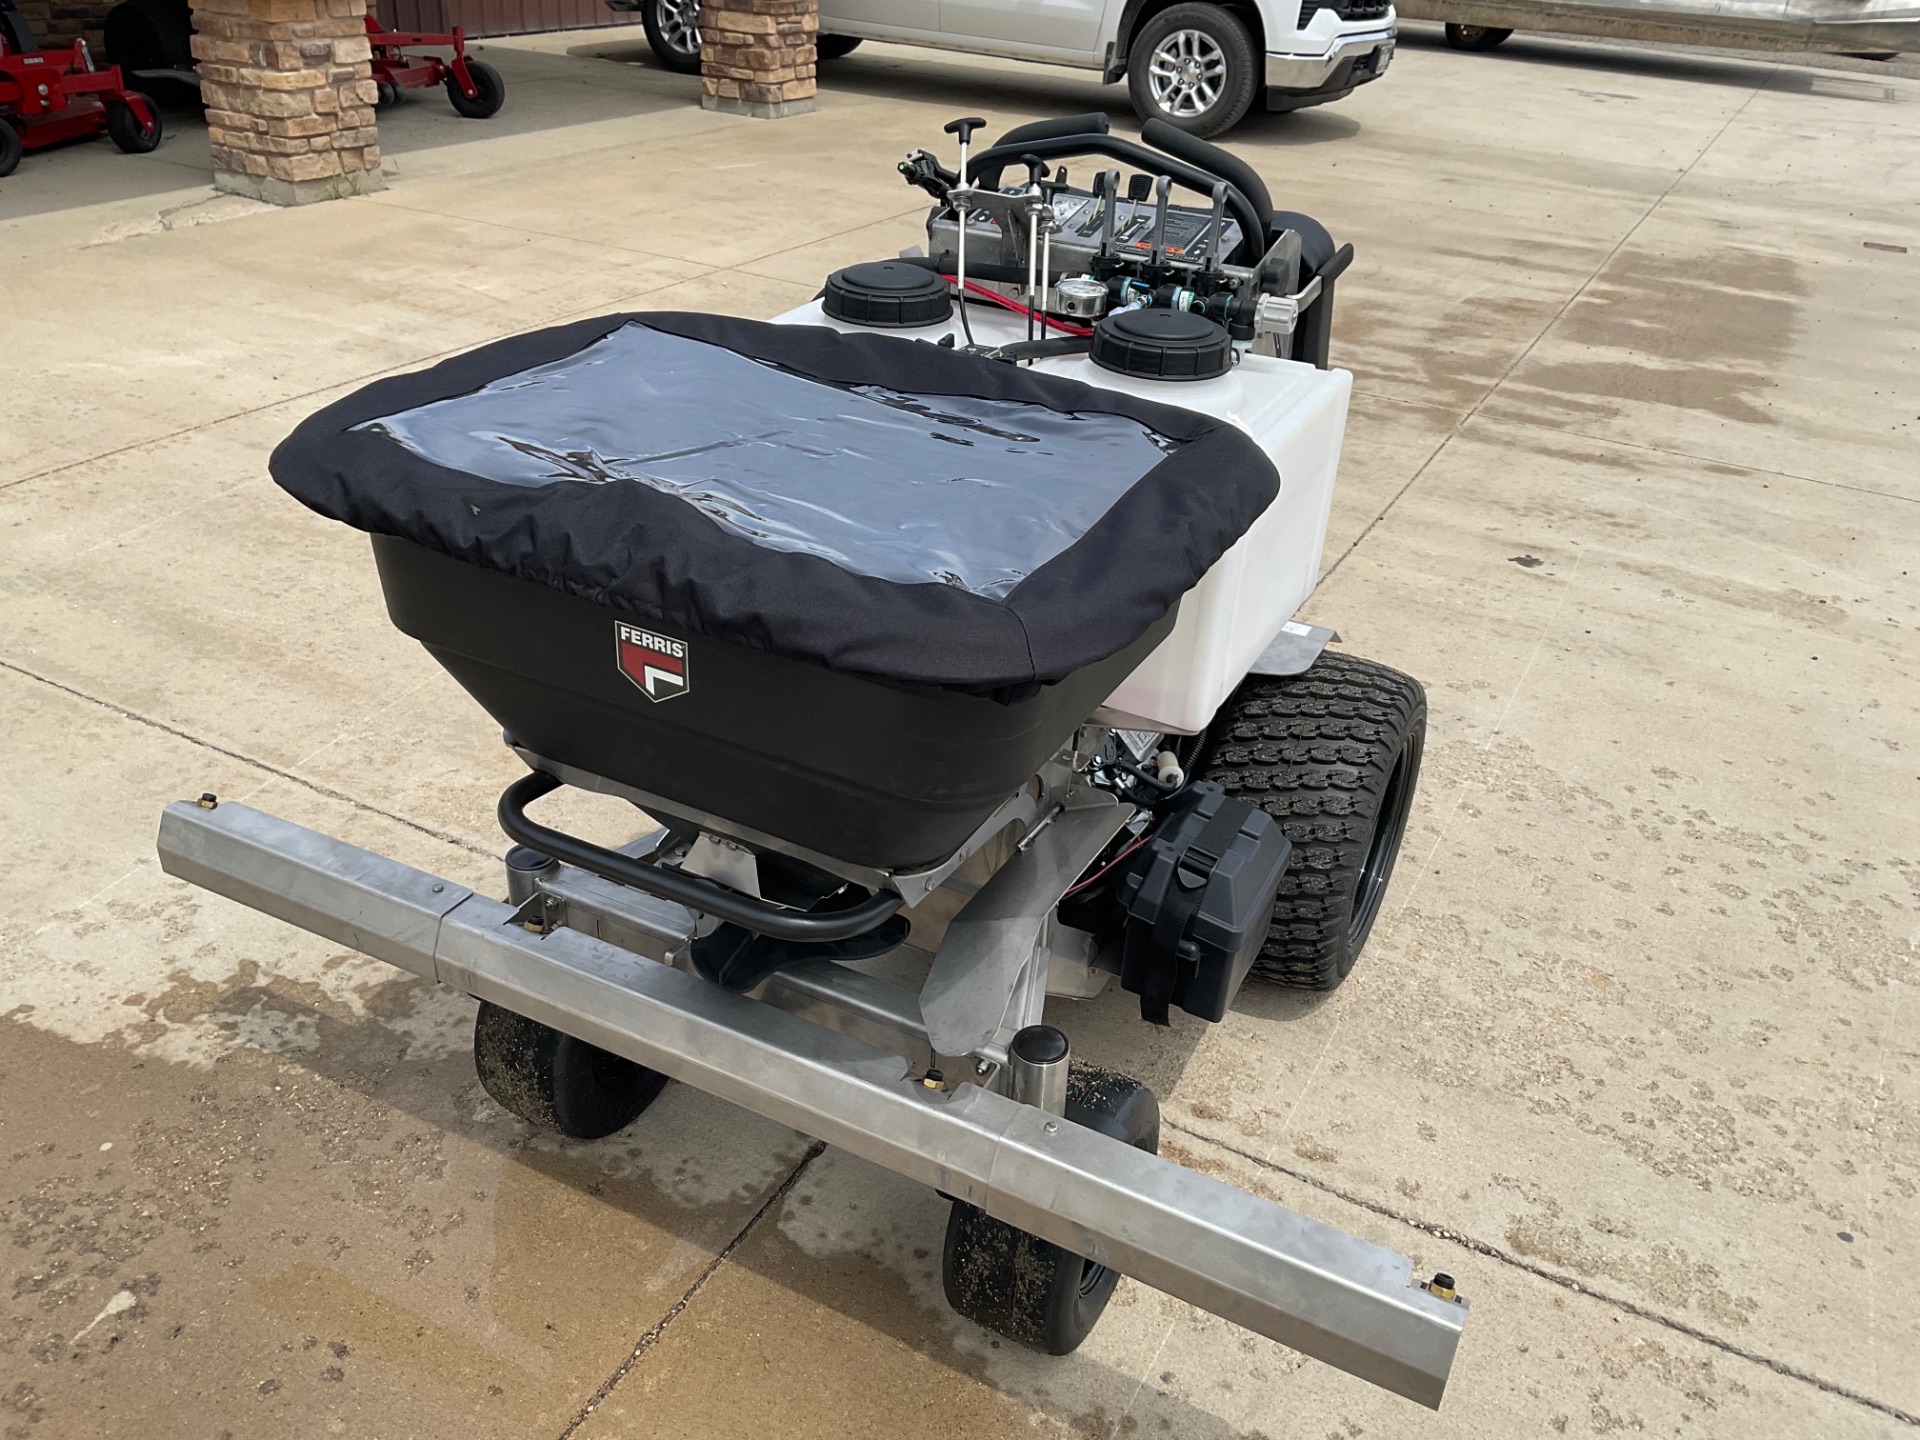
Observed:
{"x":1193,"y":63}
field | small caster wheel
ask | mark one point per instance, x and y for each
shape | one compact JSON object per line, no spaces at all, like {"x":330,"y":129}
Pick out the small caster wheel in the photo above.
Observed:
{"x":490,"y":91}
{"x":556,"y":1081}
{"x":388,"y":94}
{"x":1028,"y":1289}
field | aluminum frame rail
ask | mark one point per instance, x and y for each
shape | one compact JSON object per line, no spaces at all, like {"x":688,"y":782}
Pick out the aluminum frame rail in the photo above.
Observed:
{"x":1303,"y":1283}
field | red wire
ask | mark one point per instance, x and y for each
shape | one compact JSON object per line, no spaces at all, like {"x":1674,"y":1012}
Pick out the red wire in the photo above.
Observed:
{"x":1102,"y":872}
{"x":1014,"y":305}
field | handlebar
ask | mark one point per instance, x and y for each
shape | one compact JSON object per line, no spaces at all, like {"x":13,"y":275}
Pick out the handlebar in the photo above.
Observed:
{"x":984,"y":171}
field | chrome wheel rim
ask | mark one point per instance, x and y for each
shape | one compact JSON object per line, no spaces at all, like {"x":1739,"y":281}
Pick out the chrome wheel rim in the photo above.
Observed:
{"x":680,"y":24}
{"x":1186,"y":73}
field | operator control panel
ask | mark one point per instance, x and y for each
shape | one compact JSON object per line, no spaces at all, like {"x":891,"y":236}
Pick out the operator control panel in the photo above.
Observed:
{"x":1081,"y":219}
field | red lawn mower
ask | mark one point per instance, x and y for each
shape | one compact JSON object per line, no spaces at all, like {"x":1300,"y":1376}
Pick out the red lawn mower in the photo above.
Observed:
{"x":47,"y":96}
{"x":474,"y":87}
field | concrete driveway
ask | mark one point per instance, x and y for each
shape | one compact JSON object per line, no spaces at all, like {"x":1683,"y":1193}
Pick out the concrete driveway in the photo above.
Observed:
{"x":1632,"y":483}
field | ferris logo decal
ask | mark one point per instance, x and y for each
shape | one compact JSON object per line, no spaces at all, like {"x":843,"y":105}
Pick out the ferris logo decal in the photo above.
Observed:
{"x":656,"y":663}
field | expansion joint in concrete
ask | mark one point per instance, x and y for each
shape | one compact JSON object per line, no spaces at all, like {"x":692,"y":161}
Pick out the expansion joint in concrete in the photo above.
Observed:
{"x":647,"y":1341}
{"x":1552,"y":1277}
{"x":258,"y":764}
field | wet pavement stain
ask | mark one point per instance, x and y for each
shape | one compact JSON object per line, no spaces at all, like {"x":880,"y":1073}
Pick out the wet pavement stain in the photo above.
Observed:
{"x":1706,"y":333}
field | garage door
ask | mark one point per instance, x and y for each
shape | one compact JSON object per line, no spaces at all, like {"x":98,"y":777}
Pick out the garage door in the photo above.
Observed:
{"x":499,"y":17}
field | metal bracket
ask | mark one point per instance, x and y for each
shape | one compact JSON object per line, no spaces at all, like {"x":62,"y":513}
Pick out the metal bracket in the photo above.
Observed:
{"x":1000,"y":930}
{"x":1293,"y":650}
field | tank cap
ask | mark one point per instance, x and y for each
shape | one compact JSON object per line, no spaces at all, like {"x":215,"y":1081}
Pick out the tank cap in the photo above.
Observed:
{"x":887,"y":294}
{"x":1162,"y":345}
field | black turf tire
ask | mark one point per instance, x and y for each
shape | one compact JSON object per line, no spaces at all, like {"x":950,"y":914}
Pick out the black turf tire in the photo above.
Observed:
{"x":10,"y":147}
{"x":556,"y":1081}
{"x":127,"y":131}
{"x":1334,"y":756}
{"x":1244,"y":77}
{"x":1476,"y":37}
{"x":490,"y":92}
{"x":680,"y":58}
{"x":834,"y":47}
{"x":1022,"y":1287}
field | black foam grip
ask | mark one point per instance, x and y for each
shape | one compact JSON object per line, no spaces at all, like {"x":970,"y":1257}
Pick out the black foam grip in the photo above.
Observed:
{"x":1211,"y":158}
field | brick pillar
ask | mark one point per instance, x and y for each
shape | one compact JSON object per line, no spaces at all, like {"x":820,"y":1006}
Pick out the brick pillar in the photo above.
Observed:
{"x":289,"y":98}
{"x":756,"y":56}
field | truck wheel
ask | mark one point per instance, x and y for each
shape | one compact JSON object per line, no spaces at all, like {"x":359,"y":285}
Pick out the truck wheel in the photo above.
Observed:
{"x":10,"y":147}
{"x":1028,"y":1289}
{"x":489,"y":91}
{"x":1476,"y":37}
{"x":832,"y":47}
{"x":126,"y":130}
{"x":556,"y":1081}
{"x":1194,"y":67}
{"x":1334,"y":756}
{"x":673,"y":31}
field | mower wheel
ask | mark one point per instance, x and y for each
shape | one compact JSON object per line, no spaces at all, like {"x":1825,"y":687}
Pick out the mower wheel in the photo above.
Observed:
{"x":556,"y":1081}
{"x":490,"y":91}
{"x":10,"y":147}
{"x":1334,"y":756}
{"x":127,"y":131}
{"x":1476,"y":37}
{"x":1028,"y":1289}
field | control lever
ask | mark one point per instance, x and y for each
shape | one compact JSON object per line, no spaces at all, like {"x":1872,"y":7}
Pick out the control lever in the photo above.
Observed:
{"x":1107,"y":186}
{"x":1214,"y":225}
{"x":1139,"y":187}
{"x":1049,"y":192}
{"x":1162,"y":190}
{"x":961,"y":195}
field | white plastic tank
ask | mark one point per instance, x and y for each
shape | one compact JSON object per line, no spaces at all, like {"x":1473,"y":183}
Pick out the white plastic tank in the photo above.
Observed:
{"x":1298,"y":415}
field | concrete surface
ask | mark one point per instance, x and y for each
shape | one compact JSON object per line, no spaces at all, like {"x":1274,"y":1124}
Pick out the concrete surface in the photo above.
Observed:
{"x":1631,"y":484}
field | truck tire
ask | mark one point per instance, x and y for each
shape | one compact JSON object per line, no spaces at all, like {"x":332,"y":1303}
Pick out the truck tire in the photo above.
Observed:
{"x":833,"y":47}
{"x":10,"y":147}
{"x":673,"y":33}
{"x":1476,"y":37}
{"x":1334,"y":756}
{"x":1193,"y":66}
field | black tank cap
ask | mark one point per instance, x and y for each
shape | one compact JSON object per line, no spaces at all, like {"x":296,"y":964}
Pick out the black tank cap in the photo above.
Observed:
{"x":1162,"y":345}
{"x":887,"y":294}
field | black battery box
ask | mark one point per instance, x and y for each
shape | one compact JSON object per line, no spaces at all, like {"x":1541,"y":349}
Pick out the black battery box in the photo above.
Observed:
{"x":1198,"y":899}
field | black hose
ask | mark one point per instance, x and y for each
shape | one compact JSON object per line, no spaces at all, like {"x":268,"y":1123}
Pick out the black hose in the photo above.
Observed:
{"x":1093,"y":124}
{"x":669,"y":884}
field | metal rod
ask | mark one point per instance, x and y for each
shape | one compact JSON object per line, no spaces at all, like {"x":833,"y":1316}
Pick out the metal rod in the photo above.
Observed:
{"x":1162,"y":188}
{"x":1294,"y":1279}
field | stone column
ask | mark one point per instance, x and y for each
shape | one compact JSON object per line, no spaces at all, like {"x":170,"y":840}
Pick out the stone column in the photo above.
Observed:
{"x":289,"y":96}
{"x":756,"y":56}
